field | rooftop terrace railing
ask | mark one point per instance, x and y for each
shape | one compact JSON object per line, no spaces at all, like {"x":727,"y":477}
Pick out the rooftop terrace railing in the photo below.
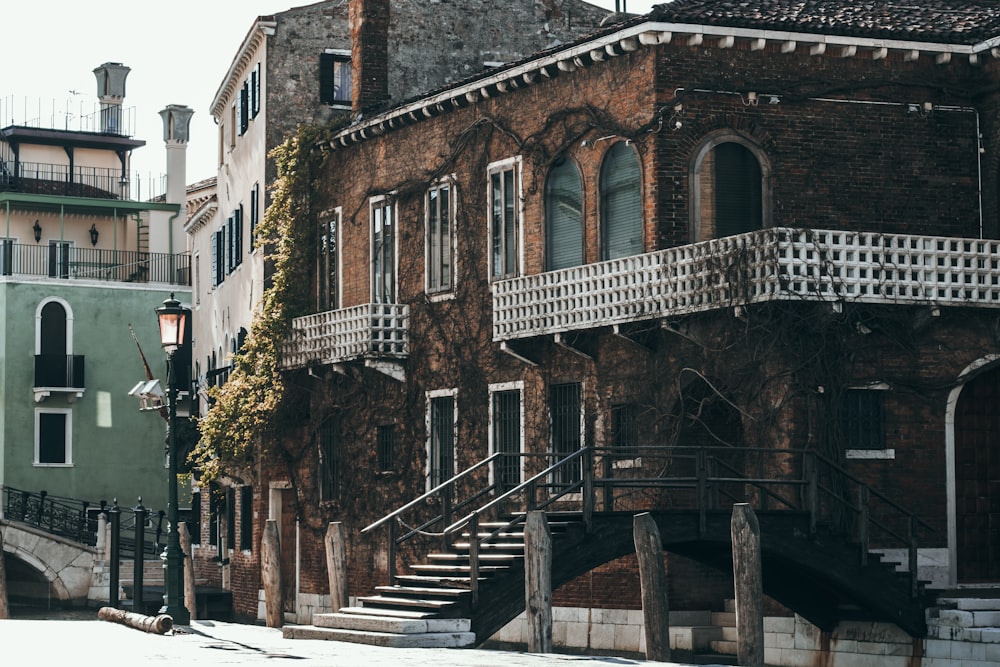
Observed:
{"x":64,"y":261}
{"x":67,"y":115}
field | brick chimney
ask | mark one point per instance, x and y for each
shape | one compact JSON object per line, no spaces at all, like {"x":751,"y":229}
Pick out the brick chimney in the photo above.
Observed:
{"x":369,"y":53}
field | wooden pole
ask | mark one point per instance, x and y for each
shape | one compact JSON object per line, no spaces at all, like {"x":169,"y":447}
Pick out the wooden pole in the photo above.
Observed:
{"x":157,"y":625}
{"x":336,"y":564}
{"x":538,"y":581}
{"x":749,"y":588}
{"x":270,"y":566}
{"x":653,"y":582}
{"x":4,"y":608}
{"x":190,"y":600}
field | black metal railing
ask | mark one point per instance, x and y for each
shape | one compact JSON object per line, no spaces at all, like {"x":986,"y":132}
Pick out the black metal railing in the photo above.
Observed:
{"x":66,"y":517}
{"x":62,"y":260}
{"x":59,"y":371}
{"x":45,"y":178}
{"x":698,"y":479}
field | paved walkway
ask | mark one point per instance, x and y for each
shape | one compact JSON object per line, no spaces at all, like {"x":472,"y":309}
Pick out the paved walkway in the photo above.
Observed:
{"x":84,"y":643}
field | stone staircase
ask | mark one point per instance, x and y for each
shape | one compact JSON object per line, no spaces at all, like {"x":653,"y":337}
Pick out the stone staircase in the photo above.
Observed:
{"x":431,"y":606}
{"x":966,"y":615}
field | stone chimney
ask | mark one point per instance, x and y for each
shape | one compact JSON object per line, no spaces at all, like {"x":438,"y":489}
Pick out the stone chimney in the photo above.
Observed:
{"x":176,"y":130}
{"x":369,"y":53}
{"x":111,"y":93}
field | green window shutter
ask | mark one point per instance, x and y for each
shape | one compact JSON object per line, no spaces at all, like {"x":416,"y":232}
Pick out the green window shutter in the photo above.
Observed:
{"x":621,"y":203}
{"x":563,"y":217}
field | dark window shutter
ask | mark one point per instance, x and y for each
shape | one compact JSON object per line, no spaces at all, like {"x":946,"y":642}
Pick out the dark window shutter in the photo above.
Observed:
{"x":563,"y":217}
{"x":245,"y":107}
{"x":326,"y":94}
{"x":621,"y":203}
{"x":737,"y":190}
{"x":215,"y":259}
{"x":255,"y":91}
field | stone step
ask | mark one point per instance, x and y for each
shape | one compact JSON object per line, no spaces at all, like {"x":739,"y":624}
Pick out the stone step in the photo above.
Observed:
{"x":393,"y":613}
{"x":423,"y":592}
{"x":690,"y":618}
{"x":693,"y":638}
{"x":971,"y":604}
{"x":492,"y":558}
{"x":379,"y":601}
{"x":386,"y":639}
{"x":431,"y":581}
{"x":723,"y":647}
{"x":724,"y":618}
{"x":455,"y":571}
{"x":390,"y":623}
{"x":960,"y":618}
{"x":729,"y":634}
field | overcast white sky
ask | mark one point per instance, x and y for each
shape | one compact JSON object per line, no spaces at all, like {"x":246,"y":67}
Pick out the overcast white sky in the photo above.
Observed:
{"x":178,"y":53}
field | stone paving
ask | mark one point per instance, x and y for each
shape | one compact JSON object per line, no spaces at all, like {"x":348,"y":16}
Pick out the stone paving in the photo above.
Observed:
{"x":93,"y":642}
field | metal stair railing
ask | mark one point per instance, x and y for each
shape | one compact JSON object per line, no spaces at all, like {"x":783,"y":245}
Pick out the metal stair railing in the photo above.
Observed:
{"x":701,"y":479}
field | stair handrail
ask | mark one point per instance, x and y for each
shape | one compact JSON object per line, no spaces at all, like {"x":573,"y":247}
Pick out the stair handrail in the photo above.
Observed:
{"x":430,"y":494}
{"x":864,"y":493}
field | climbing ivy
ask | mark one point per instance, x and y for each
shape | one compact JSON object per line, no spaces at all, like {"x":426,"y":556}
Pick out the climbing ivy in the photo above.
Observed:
{"x":250,"y":408}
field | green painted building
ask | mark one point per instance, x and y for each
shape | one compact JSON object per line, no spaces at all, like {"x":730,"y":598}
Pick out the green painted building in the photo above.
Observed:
{"x":82,"y":266}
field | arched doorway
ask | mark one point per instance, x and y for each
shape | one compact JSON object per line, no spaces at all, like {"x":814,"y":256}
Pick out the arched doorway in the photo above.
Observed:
{"x":976,"y":469}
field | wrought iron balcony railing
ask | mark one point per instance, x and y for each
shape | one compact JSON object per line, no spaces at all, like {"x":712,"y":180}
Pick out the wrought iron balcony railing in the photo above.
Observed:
{"x":42,"y":178}
{"x":368,"y":331}
{"x":59,"y":371}
{"x":62,"y":260}
{"x":777,"y":264}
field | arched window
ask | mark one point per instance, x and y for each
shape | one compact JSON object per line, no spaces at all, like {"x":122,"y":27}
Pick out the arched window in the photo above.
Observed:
{"x":563,"y":217}
{"x":730,"y":188}
{"x":621,"y":203}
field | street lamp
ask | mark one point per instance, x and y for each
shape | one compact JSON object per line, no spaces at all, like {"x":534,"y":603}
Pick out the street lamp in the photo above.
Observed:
{"x":173,"y":323}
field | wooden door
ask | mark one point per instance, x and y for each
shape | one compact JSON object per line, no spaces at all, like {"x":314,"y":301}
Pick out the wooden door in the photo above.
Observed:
{"x":977,"y":479}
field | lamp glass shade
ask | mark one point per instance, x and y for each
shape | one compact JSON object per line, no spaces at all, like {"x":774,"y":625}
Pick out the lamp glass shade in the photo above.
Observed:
{"x":172,"y":324}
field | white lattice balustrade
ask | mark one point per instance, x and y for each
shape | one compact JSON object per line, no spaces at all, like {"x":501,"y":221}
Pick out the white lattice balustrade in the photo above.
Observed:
{"x":368,"y":331}
{"x":777,"y":264}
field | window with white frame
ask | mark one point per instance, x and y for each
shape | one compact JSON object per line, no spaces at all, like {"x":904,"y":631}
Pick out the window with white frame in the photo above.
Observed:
{"x":507,"y":432}
{"x":328,"y":263}
{"x":383,"y":235}
{"x":440,"y":260}
{"x":505,"y":218}
{"x":442,"y":423}
{"x":53,"y":437}
{"x":863,"y":422}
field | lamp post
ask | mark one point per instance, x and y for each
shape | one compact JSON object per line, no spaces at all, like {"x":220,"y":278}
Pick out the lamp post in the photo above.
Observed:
{"x":173,"y":323}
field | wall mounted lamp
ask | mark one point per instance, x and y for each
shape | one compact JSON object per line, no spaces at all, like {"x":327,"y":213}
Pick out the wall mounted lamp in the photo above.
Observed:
{"x":94,"y":234}
{"x":37,"y":228}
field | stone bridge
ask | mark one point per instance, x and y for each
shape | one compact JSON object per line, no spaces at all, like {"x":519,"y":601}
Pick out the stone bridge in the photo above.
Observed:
{"x":45,"y":566}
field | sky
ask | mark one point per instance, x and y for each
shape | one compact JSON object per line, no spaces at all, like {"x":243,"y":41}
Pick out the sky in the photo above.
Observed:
{"x":178,"y":53}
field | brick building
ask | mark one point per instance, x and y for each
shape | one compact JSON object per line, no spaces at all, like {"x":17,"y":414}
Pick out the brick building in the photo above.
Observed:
{"x":765,"y":233}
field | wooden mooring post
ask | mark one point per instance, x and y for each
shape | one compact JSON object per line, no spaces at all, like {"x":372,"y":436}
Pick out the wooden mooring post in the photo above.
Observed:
{"x":270,"y":570}
{"x":653,"y":583}
{"x":4,"y":607}
{"x":538,"y":581}
{"x":190,"y":599}
{"x":336,"y":564}
{"x":748,"y":584}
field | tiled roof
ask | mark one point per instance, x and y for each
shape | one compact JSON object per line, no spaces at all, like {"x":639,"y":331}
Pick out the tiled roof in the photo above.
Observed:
{"x":964,"y":22}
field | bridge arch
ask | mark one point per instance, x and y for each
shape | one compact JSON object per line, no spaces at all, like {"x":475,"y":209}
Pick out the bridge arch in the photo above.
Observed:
{"x":67,"y":566}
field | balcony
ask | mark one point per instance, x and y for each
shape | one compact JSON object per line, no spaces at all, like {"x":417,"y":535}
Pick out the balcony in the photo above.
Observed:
{"x":62,"y":260}
{"x":58,"y":373}
{"x":777,"y":264}
{"x":40,"y":178}
{"x":377,"y":333}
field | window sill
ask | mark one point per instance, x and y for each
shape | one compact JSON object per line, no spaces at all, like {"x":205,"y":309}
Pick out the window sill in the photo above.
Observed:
{"x":36,"y":464}
{"x":870,"y":454}
{"x":436,"y":297}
